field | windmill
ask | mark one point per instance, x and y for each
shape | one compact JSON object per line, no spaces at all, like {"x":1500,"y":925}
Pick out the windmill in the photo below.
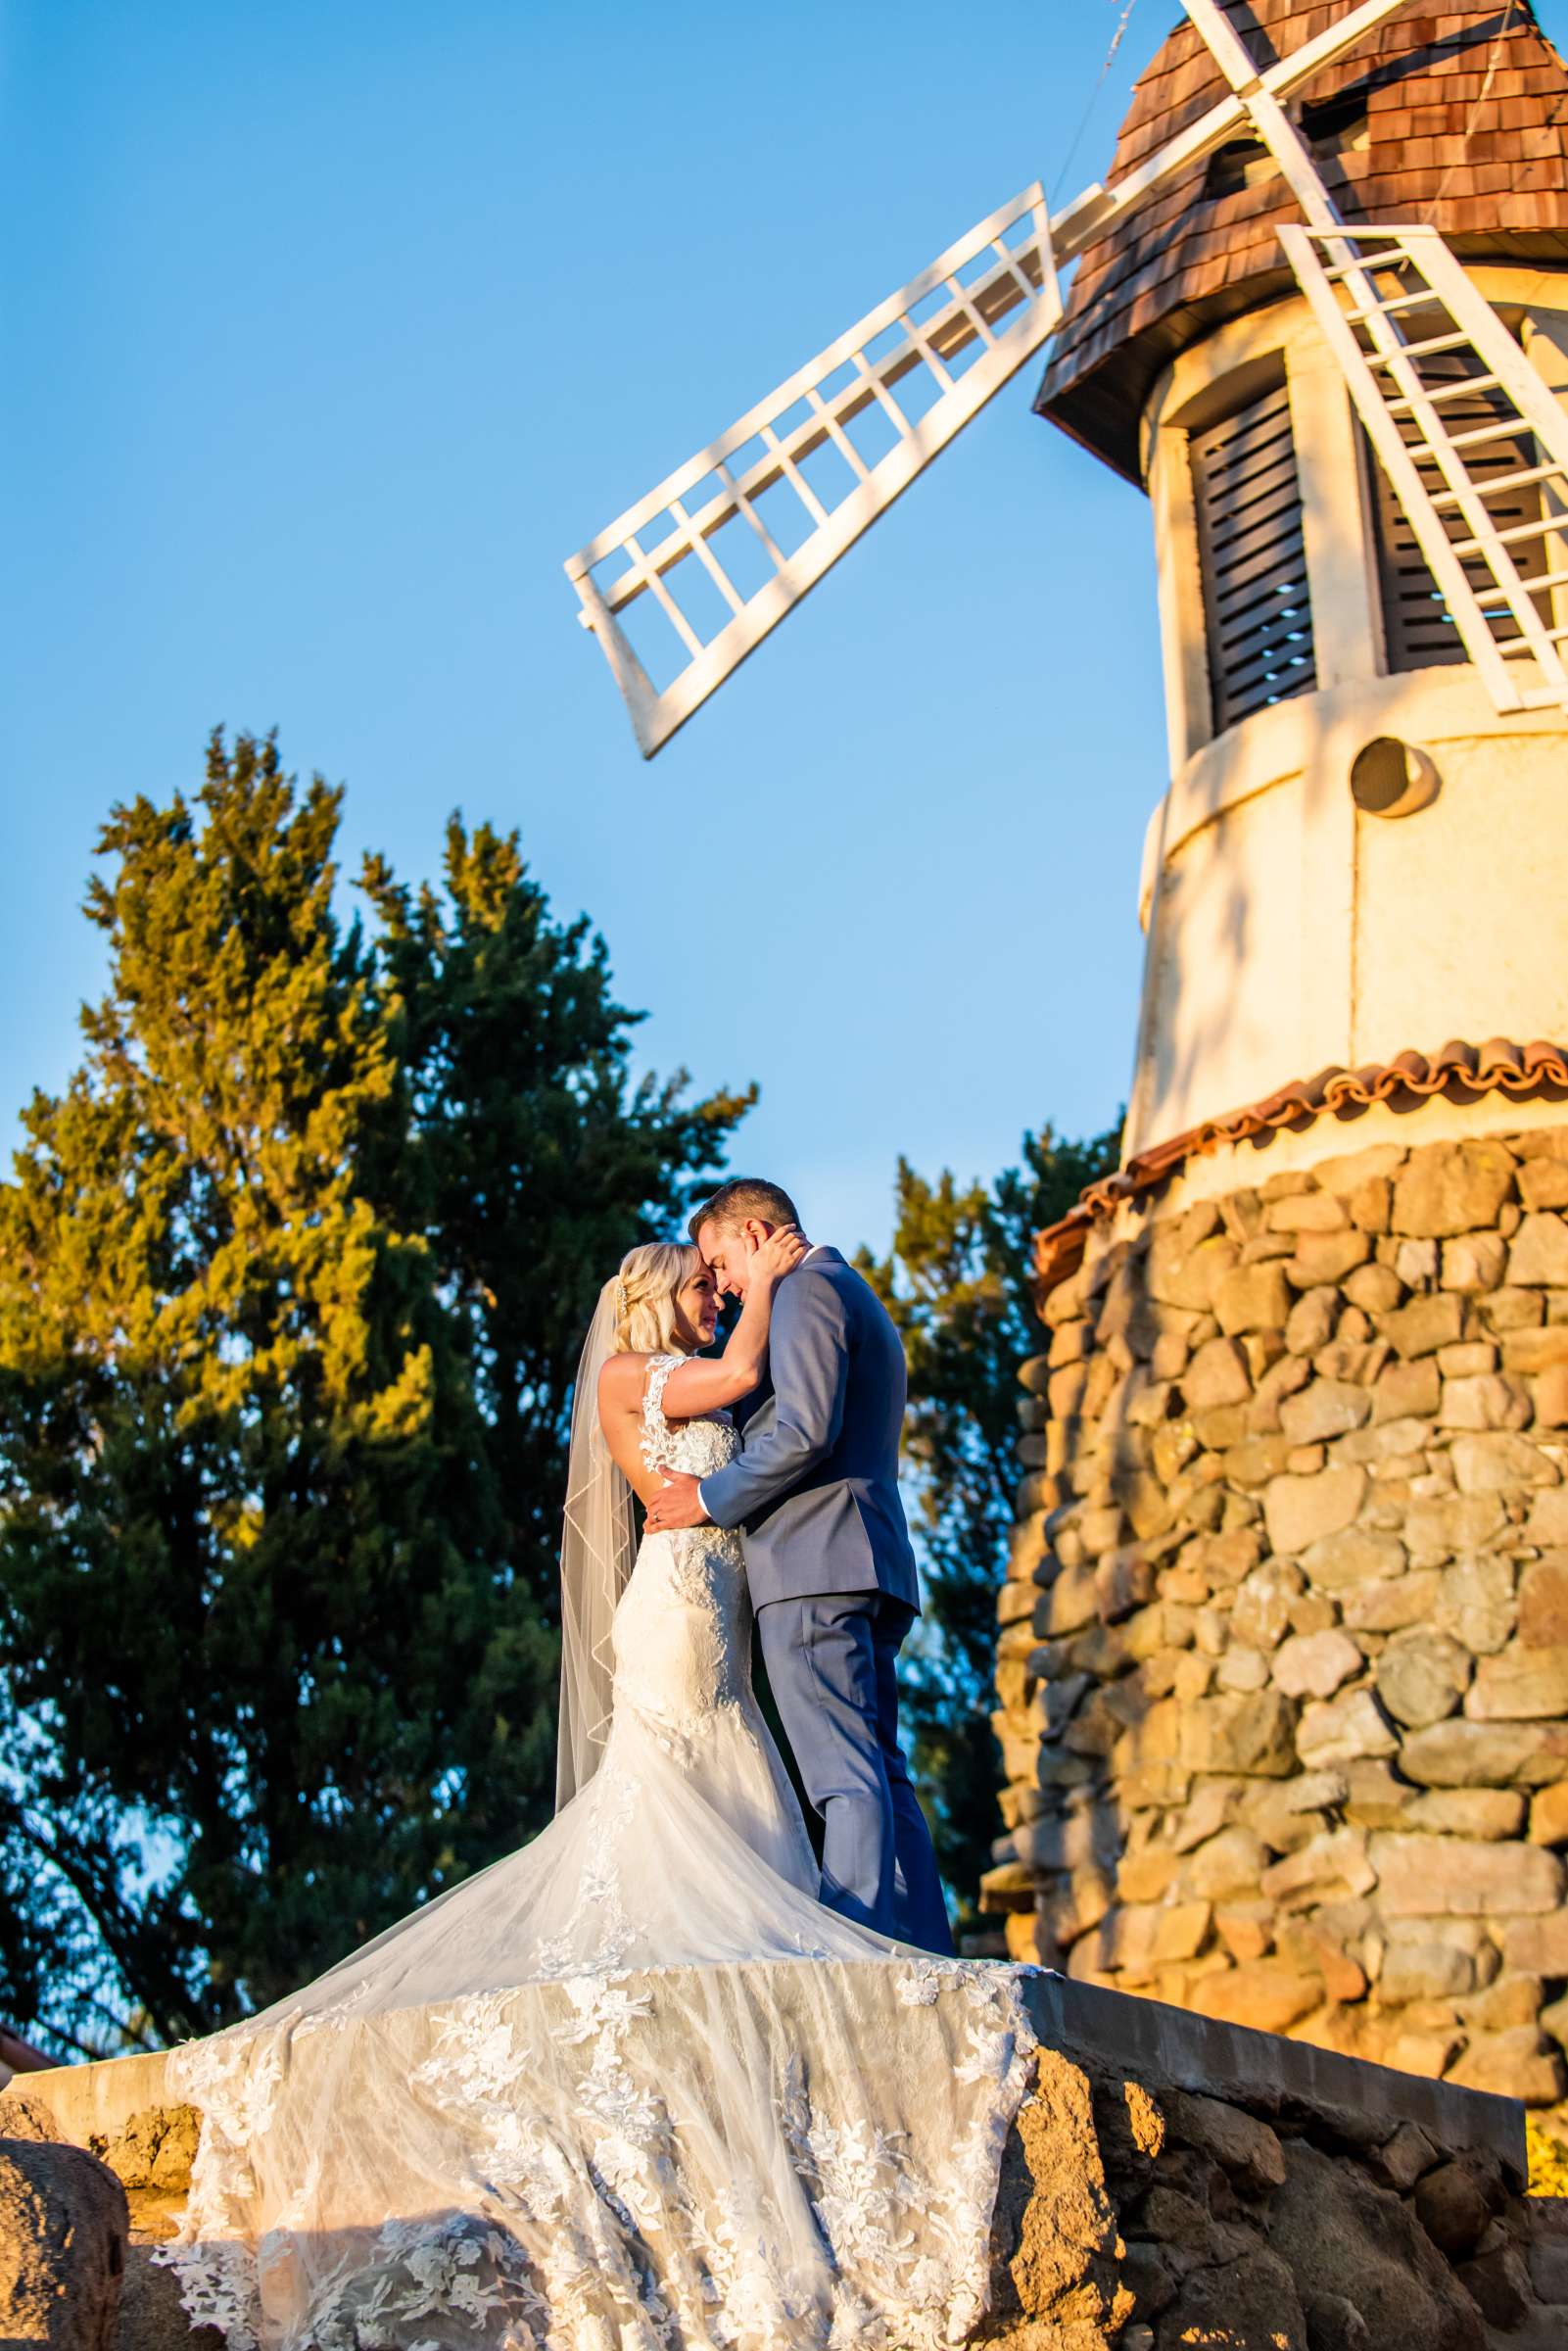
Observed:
{"x":730,"y":543}
{"x":1282,"y":1660}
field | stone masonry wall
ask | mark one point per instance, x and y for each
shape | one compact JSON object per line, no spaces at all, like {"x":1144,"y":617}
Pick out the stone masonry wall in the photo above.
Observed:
{"x":1283,"y":1663}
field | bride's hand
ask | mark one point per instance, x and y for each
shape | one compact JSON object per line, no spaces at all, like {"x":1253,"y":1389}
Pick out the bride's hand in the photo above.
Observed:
{"x":780,"y":1253}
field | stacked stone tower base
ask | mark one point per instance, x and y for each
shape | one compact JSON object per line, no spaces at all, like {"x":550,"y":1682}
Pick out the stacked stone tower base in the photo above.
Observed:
{"x":1283,"y":1660}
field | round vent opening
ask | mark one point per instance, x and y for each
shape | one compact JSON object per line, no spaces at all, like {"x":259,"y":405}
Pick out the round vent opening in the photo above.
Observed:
{"x":1391,"y":777}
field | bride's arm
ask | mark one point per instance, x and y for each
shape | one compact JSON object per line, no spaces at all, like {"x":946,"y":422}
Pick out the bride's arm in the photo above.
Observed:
{"x":811,"y":1372}
{"x":707,"y":1383}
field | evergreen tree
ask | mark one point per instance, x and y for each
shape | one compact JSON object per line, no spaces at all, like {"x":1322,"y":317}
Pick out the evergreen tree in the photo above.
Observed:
{"x":291,"y":1281}
{"x":521,"y":1151}
{"x":957,"y":1284}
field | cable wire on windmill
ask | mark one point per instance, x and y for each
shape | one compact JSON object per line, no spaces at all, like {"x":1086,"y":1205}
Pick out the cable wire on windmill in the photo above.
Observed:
{"x":1481,"y":95}
{"x":1093,"y":98}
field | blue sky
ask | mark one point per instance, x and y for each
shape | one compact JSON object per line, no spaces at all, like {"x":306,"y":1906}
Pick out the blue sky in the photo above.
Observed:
{"x":333,"y":330}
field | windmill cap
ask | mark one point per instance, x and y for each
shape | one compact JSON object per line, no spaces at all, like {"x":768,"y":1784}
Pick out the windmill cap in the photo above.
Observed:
{"x":1406,"y":126}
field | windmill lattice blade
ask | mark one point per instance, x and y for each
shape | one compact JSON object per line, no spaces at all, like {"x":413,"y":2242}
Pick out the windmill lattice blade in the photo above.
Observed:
{"x":963,"y":326}
{"x":1422,"y":350}
{"x":1459,"y":420}
{"x":729,"y":543}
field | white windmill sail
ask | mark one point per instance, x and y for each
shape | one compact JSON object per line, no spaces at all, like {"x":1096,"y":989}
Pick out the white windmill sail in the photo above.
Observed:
{"x":768,"y":508}
{"x":1422,"y":350}
{"x":730,"y":542}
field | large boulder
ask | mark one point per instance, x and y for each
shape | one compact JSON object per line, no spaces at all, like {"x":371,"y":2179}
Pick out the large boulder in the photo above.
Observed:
{"x":1054,"y":2239}
{"x":151,"y":2316}
{"x":63,"y":2233}
{"x":22,"y":2117}
{"x":1344,"y":2237}
{"x":1245,"y":2147}
{"x":151,"y":2156}
{"x":1455,"y":2203}
{"x":1250,"y":2304}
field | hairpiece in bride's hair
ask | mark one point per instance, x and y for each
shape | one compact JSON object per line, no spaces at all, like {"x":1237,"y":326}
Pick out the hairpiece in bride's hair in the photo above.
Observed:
{"x":622,"y":1302}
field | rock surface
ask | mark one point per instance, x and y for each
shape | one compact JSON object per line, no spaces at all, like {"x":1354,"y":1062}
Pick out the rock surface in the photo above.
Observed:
{"x":63,"y":2235}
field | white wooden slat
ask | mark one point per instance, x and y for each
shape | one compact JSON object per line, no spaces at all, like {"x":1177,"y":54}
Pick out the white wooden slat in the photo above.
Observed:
{"x":1542,"y":582}
{"x":672,"y":610}
{"x":1500,"y":428}
{"x":839,"y":438}
{"x":1411,"y":351}
{"x":877,"y":385}
{"x":708,"y":559}
{"x":1391,"y":310}
{"x":740,"y":504}
{"x":1439,"y":393}
{"x":795,"y":478}
{"x":1490,"y":485}
{"x":1508,"y":645}
{"x":1541,"y":528}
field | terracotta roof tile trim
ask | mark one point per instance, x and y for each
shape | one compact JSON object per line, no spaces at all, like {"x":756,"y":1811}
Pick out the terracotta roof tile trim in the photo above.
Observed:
{"x":1460,"y":1071}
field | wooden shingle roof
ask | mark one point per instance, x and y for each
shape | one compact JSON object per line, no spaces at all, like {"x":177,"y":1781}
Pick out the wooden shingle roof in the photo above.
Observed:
{"x":1455,"y":116}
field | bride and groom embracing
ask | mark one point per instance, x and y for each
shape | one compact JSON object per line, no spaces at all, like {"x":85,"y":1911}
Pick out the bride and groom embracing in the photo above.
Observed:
{"x":814,"y":1375}
{"x":657,"y":2081}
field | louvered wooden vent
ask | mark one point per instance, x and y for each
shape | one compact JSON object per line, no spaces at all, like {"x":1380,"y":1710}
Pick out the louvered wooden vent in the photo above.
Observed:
{"x":1417,"y":630}
{"x":1256,"y":601}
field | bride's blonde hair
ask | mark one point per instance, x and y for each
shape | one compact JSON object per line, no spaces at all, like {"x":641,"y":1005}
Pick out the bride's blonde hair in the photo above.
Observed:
{"x":643,"y":1294}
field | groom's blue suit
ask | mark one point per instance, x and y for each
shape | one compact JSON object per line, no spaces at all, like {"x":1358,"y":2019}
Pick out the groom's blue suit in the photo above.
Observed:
{"x":833,"y":1586}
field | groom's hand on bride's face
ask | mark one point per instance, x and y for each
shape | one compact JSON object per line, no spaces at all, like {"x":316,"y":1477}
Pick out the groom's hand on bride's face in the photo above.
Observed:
{"x":677,"y":1504}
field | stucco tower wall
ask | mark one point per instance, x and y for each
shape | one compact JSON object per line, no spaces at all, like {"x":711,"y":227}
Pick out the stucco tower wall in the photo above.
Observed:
{"x":1287,"y":930}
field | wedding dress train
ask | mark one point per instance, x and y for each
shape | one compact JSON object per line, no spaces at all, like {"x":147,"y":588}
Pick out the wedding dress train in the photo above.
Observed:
{"x":631,"y":2088}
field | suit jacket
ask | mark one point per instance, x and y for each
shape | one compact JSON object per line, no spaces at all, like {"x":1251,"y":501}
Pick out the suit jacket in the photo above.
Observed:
{"x":815,"y":1484}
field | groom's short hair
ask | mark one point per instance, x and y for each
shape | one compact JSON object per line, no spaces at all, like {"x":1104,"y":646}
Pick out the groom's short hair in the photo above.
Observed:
{"x":745,"y":1196}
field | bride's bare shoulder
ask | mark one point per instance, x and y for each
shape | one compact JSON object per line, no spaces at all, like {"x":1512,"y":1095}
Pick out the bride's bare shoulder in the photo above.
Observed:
{"x":620,"y":1380}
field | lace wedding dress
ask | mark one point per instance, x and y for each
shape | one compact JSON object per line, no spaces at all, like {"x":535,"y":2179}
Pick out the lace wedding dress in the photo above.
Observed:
{"x":632,"y":2088}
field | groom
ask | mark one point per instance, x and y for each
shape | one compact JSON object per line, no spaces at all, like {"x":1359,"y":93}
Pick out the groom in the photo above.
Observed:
{"x":828,"y":1558}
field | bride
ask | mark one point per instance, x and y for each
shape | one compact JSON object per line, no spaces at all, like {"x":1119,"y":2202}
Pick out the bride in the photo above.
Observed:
{"x":632,"y":2087}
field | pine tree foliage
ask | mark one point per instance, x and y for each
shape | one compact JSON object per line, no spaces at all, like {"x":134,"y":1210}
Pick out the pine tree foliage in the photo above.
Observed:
{"x":291,"y":1277}
{"x":521,"y":1151}
{"x":957,"y":1284}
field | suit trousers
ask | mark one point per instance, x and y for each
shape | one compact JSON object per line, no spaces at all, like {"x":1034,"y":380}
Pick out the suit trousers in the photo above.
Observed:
{"x":831,"y":1664}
